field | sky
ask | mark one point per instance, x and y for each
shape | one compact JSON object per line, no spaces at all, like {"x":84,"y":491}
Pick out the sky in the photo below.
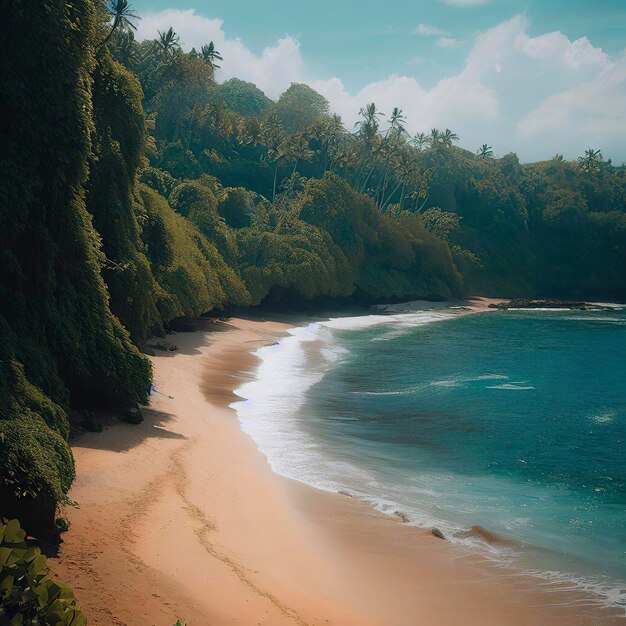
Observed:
{"x":534,"y":77}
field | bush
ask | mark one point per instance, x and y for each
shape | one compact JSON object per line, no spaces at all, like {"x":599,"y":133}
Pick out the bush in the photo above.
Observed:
{"x":28,"y":594}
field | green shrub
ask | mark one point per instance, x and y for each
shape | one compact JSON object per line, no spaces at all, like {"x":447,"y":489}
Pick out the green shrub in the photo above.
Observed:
{"x":28,"y":594}
{"x":192,"y":273}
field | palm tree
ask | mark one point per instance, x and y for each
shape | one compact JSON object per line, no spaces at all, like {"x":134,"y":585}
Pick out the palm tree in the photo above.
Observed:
{"x":434,"y":139}
{"x":299,"y":149}
{"x":275,"y":140}
{"x":369,"y":113}
{"x":249,"y":130}
{"x":335,"y":127}
{"x":125,"y":50}
{"x":210,"y":55}
{"x":345,"y":157}
{"x":123,"y":17}
{"x":293,"y":186}
{"x":168,"y":43}
{"x":328,"y":133}
{"x":167,"y":47}
{"x":170,"y":66}
{"x":397,"y":122}
{"x":448,"y":138}
{"x":485,"y":151}
{"x":590,"y":161}
{"x":368,"y":126}
{"x":386,"y":153}
{"x":420,"y":141}
{"x":405,"y":168}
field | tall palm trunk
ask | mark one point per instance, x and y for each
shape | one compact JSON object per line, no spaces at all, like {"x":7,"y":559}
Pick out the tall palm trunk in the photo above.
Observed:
{"x":275,"y":174}
{"x":422,"y":205}
{"x":362,"y":187}
{"x":193,"y":111}
{"x":384,"y":206}
{"x":116,"y":22}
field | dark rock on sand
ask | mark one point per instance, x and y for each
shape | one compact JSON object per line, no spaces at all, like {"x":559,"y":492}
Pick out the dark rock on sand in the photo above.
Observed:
{"x":133,"y":416}
{"x":92,"y":425}
{"x":343,"y":492}
{"x":529,"y":303}
{"x":435,"y":531}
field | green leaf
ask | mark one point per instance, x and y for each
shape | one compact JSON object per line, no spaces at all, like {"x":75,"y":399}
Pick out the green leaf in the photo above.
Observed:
{"x":31,"y":553}
{"x":5,"y":553}
{"x":37,"y":565}
{"x":6,"y":583}
{"x":42,"y":594}
{"x":11,"y":531}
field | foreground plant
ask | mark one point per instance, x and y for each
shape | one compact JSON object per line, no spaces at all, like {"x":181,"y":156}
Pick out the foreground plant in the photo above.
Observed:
{"x":28,"y":594}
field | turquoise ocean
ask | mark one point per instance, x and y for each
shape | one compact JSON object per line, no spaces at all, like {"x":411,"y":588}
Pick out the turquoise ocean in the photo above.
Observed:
{"x":511,"y":421}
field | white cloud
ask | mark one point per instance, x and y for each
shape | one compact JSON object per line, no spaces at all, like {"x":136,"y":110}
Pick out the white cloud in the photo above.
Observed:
{"x":448,"y":42}
{"x":532,"y":95}
{"x":595,"y":109}
{"x":272,"y":71}
{"x":576,"y":54}
{"x":425,"y":109}
{"x":425,"y":30}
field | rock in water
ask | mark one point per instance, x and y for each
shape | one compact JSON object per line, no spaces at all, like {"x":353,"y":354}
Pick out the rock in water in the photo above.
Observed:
{"x":435,"y":531}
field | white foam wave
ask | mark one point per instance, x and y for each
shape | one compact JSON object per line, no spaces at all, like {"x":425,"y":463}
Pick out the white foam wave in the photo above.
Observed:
{"x":269,"y":410}
{"x":459,"y":381}
{"x":270,"y":413}
{"x":519,"y":386}
{"x":399,"y":320}
{"x":399,"y":392}
{"x":604,"y":417}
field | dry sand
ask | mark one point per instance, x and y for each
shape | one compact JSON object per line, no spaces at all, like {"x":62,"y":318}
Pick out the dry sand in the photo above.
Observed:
{"x":182,"y":518}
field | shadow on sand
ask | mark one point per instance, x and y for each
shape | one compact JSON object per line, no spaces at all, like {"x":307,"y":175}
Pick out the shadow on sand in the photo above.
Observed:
{"x":121,"y":437}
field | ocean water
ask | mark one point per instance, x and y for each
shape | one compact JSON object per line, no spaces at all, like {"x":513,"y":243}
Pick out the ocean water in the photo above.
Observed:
{"x":512,"y":421}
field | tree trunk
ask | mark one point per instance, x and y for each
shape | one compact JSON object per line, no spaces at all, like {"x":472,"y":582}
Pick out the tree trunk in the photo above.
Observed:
{"x":382,"y":208}
{"x":275,"y":174}
{"x":115,"y":24}
{"x":362,"y":187}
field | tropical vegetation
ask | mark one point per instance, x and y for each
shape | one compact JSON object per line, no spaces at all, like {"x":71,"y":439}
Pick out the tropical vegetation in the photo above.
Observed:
{"x":28,"y":593}
{"x":138,"y":189}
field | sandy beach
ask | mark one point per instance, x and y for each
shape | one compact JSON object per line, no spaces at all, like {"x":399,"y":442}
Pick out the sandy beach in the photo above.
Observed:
{"x":181,"y":517}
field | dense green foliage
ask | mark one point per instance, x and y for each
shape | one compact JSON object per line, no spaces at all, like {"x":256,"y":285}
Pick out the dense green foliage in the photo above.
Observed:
{"x":28,"y":594}
{"x":137,"y":190}
{"x":59,"y":338}
{"x":499,"y":226}
{"x":243,"y":98}
{"x":299,"y":107}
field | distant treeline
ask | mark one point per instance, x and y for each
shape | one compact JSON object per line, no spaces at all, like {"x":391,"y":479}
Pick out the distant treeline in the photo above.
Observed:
{"x":137,"y":190}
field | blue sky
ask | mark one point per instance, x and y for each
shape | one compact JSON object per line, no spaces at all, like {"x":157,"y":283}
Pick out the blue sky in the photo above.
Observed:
{"x":531,"y":76}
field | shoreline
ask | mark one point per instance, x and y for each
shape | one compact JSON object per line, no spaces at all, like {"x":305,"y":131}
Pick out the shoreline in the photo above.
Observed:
{"x":182,"y":518}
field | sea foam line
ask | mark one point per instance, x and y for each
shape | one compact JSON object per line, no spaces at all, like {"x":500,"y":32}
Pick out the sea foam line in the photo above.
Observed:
{"x":270,"y":413}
